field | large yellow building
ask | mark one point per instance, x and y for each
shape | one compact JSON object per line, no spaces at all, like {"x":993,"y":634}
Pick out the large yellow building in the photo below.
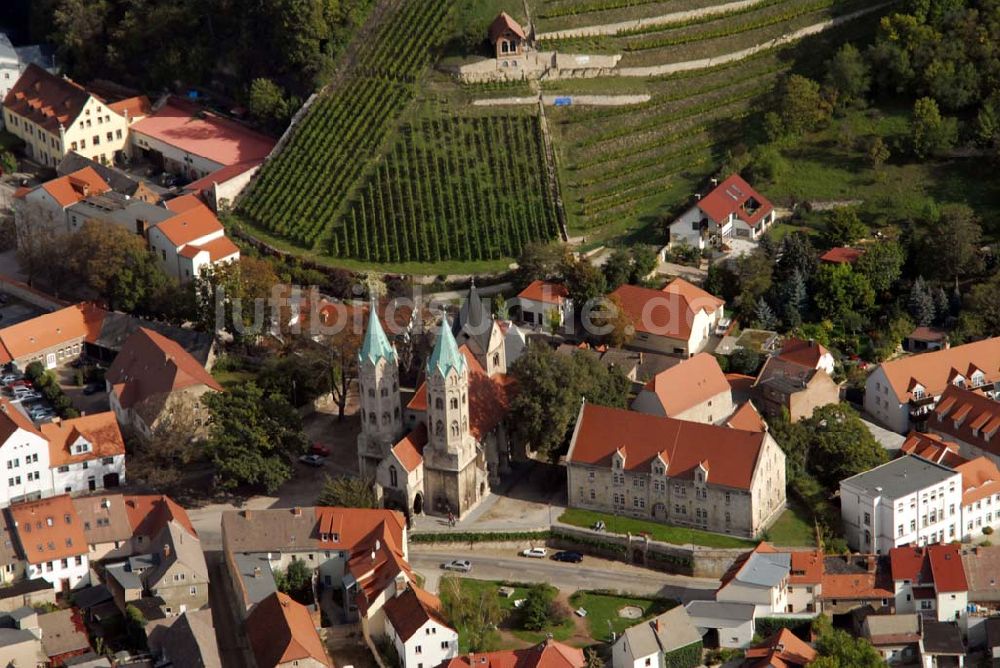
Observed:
{"x":54,"y":116}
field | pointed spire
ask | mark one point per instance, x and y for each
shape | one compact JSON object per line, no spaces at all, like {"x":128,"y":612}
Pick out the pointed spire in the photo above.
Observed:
{"x":446,"y":355}
{"x":376,"y":345}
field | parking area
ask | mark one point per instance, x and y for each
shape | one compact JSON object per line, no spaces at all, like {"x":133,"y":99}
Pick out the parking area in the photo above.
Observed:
{"x":89,"y":398}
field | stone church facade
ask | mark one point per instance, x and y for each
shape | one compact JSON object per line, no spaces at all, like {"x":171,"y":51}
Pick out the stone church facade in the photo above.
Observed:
{"x":448,"y":447}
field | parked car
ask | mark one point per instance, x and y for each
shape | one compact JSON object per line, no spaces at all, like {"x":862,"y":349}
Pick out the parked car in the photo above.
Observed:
{"x":19,"y":382}
{"x":535,"y":552}
{"x":312,"y":460}
{"x":460,"y":565}
{"x":319,"y":449}
{"x":568,"y":556}
{"x":9,"y":378}
{"x":92,"y":388}
{"x":723,"y":326}
{"x":26,"y":395}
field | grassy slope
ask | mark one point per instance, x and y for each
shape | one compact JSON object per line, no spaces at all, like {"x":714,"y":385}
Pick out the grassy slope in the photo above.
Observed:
{"x":602,"y":611}
{"x":661,"y":532}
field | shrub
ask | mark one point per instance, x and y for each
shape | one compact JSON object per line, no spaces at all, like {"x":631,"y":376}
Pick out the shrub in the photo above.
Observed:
{"x":34,"y":371}
{"x":78,"y":378}
{"x":987,"y":530}
{"x":688,"y":656}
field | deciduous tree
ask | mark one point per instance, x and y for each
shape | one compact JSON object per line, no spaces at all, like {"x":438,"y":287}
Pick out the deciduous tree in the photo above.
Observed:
{"x":348,"y":493}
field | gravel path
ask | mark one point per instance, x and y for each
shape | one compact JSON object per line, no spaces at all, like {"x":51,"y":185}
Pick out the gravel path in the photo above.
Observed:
{"x":639,"y":24}
{"x":578,"y":100}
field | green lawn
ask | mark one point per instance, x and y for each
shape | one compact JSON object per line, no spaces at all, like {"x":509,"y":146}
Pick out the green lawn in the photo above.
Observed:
{"x":602,"y":611}
{"x":794,"y":528}
{"x":230,"y":378}
{"x":661,"y":532}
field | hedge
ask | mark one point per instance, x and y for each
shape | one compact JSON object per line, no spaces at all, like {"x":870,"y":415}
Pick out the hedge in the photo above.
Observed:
{"x":478,"y":536}
{"x":688,"y":656}
{"x":605,"y":545}
{"x":768,"y":626}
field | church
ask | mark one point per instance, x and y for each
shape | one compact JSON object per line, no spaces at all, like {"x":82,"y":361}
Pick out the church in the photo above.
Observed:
{"x":448,"y":447}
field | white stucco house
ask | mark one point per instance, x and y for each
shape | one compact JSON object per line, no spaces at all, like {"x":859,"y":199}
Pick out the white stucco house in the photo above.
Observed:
{"x":677,"y":320}
{"x":416,"y":627}
{"x":55,"y":547}
{"x":733,"y":209}
{"x":930,"y":581}
{"x":544,"y":303}
{"x":645,"y":644}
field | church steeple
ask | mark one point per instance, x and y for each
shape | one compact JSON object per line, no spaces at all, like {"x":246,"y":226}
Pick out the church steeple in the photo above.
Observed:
{"x":445,"y":356}
{"x":375,"y":346}
{"x":378,"y":382}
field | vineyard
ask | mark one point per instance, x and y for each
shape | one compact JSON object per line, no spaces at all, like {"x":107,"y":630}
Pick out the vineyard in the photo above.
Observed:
{"x":453,"y":188}
{"x":308,"y":185}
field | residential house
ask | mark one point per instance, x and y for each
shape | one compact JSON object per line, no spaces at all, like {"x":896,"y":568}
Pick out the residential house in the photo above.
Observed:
{"x":781,"y":650}
{"x":117,"y":327}
{"x":20,"y":647}
{"x":980,"y":497}
{"x":153,"y":377}
{"x":220,"y":155}
{"x":105,"y":526}
{"x":841,"y":255}
{"x":723,"y":624}
{"x":113,"y":208}
{"x":11,"y":558}
{"x":52,"y":339}
{"x":981,"y":565}
{"x":785,"y":386}
{"x":185,"y":641}
{"x":191,"y":240}
{"x":761,"y":578}
{"x":51,"y":538}
{"x":970,"y":418}
{"x":121,"y":182}
{"x":695,"y":390}
{"x":809,"y":353}
{"x":639,"y":367}
{"x":282,"y":634}
{"x":732,"y":209}
{"x":941,"y":644}
{"x":746,"y":418}
{"x":648,"y":643}
{"x":925,"y":339}
{"x":852,"y":582}
{"x":679,"y":319}
{"x":86,"y":453}
{"x":24,"y":457}
{"x":26,"y":593}
{"x":686,"y":473}
{"x":895,"y":637}
{"x":905,"y":390}
{"x":930,"y":581}
{"x":546,"y":654}
{"x":908,"y":501}
{"x":14,"y":60}
{"x":43,"y":210}
{"x":64,"y":635}
{"x":544,"y":303}
{"x":54,"y":115}
{"x":416,"y":627}
{"x":148,"y":514}
{"x":932,"y":447}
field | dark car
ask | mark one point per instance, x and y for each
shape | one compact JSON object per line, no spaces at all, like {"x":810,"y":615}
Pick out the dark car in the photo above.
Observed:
{"x":568,"y":556}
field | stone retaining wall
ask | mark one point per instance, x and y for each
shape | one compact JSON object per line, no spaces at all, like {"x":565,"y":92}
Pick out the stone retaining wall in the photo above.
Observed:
{"x":640,"y":24}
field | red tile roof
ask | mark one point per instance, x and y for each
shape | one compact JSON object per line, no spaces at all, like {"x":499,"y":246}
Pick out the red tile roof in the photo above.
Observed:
{"x":49,"y":529}
{"x":783,"y":648}
{"x":202,"y":133}
{"x":411,"y":609}
{"x":51,"y":330}
{"x":489,"y":397}
{"x":669,"y":312}
{"x":219,"y":248}
{"x":100,"y":430}
{"x":732,"y":197}
{"x":935,"y":370}
{"x":281,"y":630}
{"x":45,"y":99}
{"x":732,"y":454}
{"x":980,"y":479}
{"x":149,"y":513}
{"x":688,"y":384}
{"x":135,"y":107}
{"x":807,"y":567}
{"x":746,"y":418}
{"x":545,"y":291}
{"x":841,"y":255}
{"x":410,"y":449}
{"x":800,"y":351}
{"x":74,"y":188}
{"x":12,"y":419}
{"x":740,"y":382}
{"x":968,"y":416}
{"x":502,"y":23}
{"x":932,"y":448}
{"x":909,"y":563}
{"x":193,"y":220}
{"x":222,"y":175}
{"x":150,"y":367}
{"x":947,"y":569}
{"x":548,"y":654}
{"x":928,"y":334}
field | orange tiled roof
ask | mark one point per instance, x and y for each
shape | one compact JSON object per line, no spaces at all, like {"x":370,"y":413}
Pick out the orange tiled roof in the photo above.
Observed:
{"x":219,"y":248}
{"x":12,"y":419}
{"x":281,"y":631}
{"x":411,"y":609}
{"x":45,"y":99}
{"x":934,"y":370}
{"x":49,"y":529}
{"x":980,"y":479}
{"x":746,"y":418}
{"x":547,"y":654}
{"x":800,"y":351}
{"x":136,"y":107}
{"x":668,"y":312}
{"x":193,"y":220}
{"x":149,"y":513}
{"x":807,"y":567}
{"x":841,"y":255}
{"x":932,"y":448}
{"x":783,"y":648}
{"x":546,"y":292}
{"x":100,"y":430}
{"x":683,"y":445}
{"x":410,"y":449}
{"x":502,"y":23}
{"x":731,"y":197}
{"x":688,"y":384}
{"x":52,"y":330}
{"x":74,"y":188}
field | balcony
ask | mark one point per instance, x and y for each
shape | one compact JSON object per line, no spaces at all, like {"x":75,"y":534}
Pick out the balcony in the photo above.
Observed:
{"x":921,"y":408}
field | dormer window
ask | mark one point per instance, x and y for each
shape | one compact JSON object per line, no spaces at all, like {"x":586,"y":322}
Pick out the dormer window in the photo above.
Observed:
{"x":81,"y":448}
{"x":918,"y":393}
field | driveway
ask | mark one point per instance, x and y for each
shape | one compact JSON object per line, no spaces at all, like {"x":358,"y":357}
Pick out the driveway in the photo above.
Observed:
{"x":889,"y":440}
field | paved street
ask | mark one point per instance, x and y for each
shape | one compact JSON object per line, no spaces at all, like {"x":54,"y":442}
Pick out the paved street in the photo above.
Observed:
{"x":593,"y":573}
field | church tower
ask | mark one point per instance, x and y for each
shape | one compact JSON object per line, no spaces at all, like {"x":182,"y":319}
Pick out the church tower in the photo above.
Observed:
{"x":477,"y":329}
{"x":454,"y":469}
{"x":378,"y":385}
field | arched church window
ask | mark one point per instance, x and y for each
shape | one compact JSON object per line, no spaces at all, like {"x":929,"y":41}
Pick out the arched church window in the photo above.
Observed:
{"x":454,"y":428}
{"x":454,"y":403}
{"x":371,"y":418}
{"x":496,"y":359}
{"x":439,"y":403}
{"x":386,"y":418}
{"x":393,"y":477}
{"x":385,"y":391}
{"x":439,"y":428}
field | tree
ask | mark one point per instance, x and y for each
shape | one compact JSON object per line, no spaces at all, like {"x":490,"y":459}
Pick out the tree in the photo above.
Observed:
{"x":797,"y":254}
{"x":550,"y":389}
{"x":753,"y":280}
{"x":232,"y":297}
{"x":617,"y":320}
{"x":618,"y":268}
{"x":921,"y":302}
{"x":8,"y":163}
{"x":842,"y":292}
{"x":253,"y":438}
{"x":931,"y":133}
{"x":841,"y":445}
{"x":802,"y":107}
{"x":478,"y":614}
{"x":745,"y":361}
{"x":848,"y":74}
{"x":592,"y":659}
{"x":135,"y":626}
{"x":347,"y":492}
{"x":535,"y":610}
{"x":267,"y":105}
{"x":882,"y":264}
{"x":767,"y":164}
{"x":844,"y":226}
{"x":296,"y":581}
{"x":948,"y":242}
{"x":839,"y":649}
{"x":878,"y":153}
{"x":794,"y":299}
{"x":888,"y":339}
{"x":644,"y":261}
{"x":158,"y":460}
{"x":584,"y":281}
{"x":339,"y":354}
{"x":764,"y":317}
{"x":539,"y":262}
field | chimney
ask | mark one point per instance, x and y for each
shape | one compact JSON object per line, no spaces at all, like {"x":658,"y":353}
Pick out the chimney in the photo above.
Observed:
{"x":871,"y":563}
{"x":247,"y":514}
{"x":656,"y":625}
{"x":256,"y":571}
{"x":296,"y":511}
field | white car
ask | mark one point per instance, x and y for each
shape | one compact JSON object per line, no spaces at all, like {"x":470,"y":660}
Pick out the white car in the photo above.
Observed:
{"x":535,"y":552}
{"x":460,"y":565}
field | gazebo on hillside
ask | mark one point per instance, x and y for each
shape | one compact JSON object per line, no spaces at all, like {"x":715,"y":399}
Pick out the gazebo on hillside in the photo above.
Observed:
{"x":507,"y":36}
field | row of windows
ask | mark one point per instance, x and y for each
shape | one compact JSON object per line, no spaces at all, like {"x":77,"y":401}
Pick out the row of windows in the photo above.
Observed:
{"x":16,"y":462}
{"x":49,"y":566}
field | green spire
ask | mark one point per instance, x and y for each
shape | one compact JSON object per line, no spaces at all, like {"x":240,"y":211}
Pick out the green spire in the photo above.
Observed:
{"x":445,"y":356}
{"x":376,"y":344}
